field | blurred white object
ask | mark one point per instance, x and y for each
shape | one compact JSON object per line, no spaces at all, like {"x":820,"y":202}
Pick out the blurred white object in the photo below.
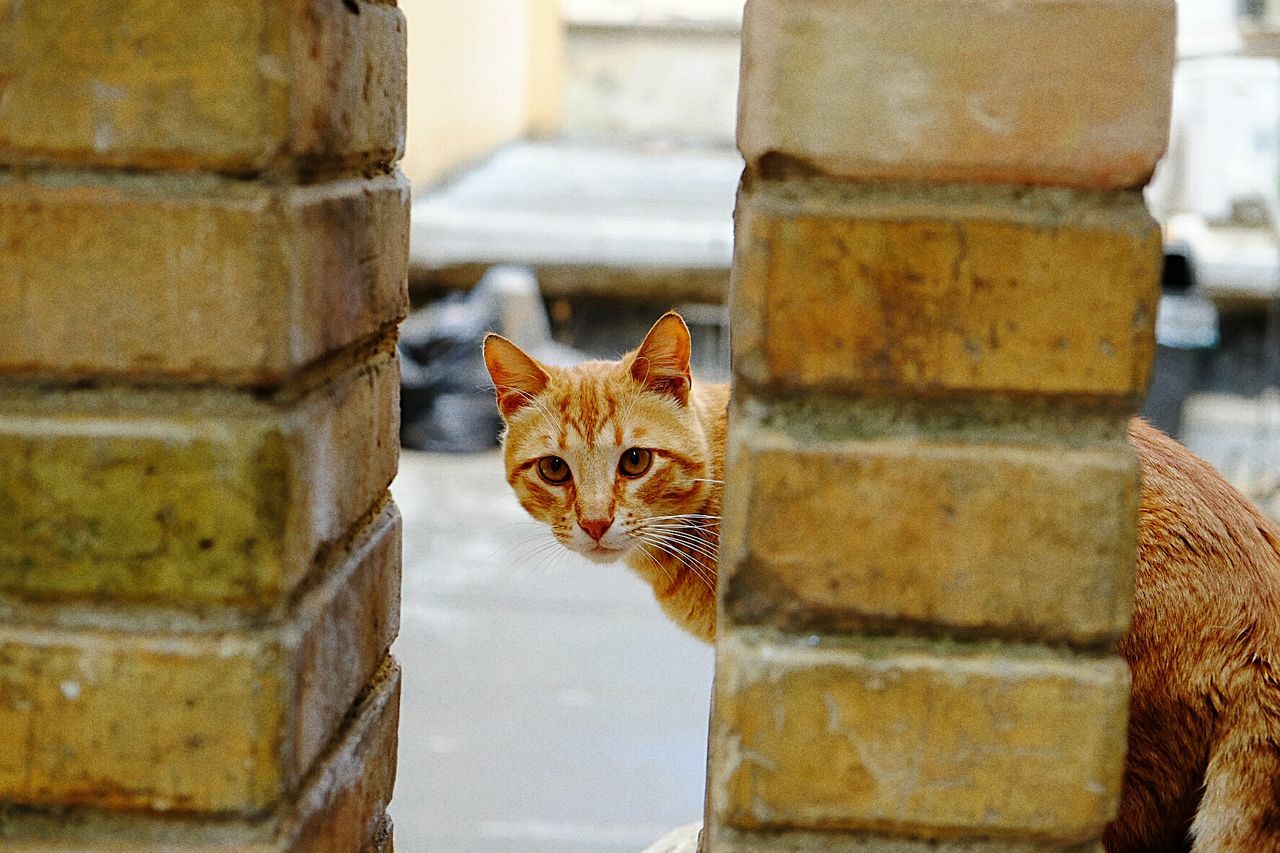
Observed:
{"x":1216,"y":189}
{"x":1232,"y":263}
{"x":1208,"y":27}
{"x":1224,"y":148}
{"x":1186,"y":321}
{"x":521,"y":315}
{"x":647,"y":11}
{"x":1240,"y":437}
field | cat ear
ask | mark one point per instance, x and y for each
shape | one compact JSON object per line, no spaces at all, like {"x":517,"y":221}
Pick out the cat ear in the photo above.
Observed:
{"x":662,"y":362}
{"x":516,"y":376}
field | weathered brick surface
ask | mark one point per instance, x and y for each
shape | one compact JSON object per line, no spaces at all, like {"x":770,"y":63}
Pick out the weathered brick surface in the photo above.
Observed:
{"x":346,"y":795}
{"x":1018,"y":541}
{"x":192,"y":723}
{"x":932,"y":741}
{"x":937,"y":292}
{"x":344,"y":631}
{"x":345,"y":808}
{"x":240,"y":85}
{"x":195,"y":278}
{"x":188,"y":498}
{"x":981,"y":90}
{"x":726,"y":840}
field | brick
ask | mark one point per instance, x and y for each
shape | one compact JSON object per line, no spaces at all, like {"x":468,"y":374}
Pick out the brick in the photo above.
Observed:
{"x":934,"y":292}
{"x":345,"y":807}
{"x":1026,"y":542}
{"x":346,"y":795}
{"x":887,"y":736}
{"x":975,"y":91}
{"x":141,"y":721}
{"x":235,"y":86}
{"x":730,"y":841}
{"x":195,"y":278}
{"x":192,"y":497}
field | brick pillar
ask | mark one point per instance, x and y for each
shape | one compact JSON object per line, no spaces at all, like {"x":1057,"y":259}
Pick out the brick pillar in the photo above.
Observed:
{"x":203,"y":243}
{"x":943,"y":301}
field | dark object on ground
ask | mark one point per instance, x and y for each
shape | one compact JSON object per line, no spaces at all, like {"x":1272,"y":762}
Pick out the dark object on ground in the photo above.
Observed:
{"x":446,"y":398}
{"x":1187,"y":333}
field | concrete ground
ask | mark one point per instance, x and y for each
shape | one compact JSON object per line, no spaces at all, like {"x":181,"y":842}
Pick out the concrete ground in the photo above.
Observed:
{"x":549,"y":707}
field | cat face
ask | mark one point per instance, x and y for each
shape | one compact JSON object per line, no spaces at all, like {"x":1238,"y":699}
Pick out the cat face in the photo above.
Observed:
{"x":605,"y":453}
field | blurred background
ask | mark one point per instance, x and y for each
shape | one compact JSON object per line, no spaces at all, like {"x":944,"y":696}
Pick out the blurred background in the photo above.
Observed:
{"x":574,"y":176}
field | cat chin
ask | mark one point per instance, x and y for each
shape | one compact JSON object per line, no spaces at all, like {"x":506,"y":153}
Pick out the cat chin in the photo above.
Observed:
{"x":604,"y":555}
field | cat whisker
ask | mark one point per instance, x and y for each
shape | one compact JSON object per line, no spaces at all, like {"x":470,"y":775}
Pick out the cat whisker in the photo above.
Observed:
{"x":503,"y":551}
{"x":645,"y":551}
{"x":532,"y":551}
{"x":701,"y":527}
{"x":699,"y":571}
{"x":692,"y":546}
{"x":667,"y":521}
{"x":702,"y":532}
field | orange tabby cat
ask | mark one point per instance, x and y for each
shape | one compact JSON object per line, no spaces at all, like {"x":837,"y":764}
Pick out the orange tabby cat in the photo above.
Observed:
{"x":624,"y":460}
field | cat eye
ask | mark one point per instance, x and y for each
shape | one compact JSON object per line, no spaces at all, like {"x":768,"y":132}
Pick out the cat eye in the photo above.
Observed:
{"x":554,"y":470}
{"x":635,"y":462}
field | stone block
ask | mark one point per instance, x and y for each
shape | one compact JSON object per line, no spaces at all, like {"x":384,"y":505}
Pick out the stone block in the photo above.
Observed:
{"x":194,"y":277}
{"x":930,"y":292}
{"x":724,"y":840}
{"x":932,"y":741}
{"x":198,"y":723}
{"x":964,"y":538}
{"x":235,"y":86}
{"x":189,"y":498}
{"x":976,"y":91}
{"x":342,"y":804}
{"x":345,"y":806}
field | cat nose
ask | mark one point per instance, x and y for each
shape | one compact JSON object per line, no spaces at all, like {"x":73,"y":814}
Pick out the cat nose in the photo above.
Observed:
{"x":596,"y":528}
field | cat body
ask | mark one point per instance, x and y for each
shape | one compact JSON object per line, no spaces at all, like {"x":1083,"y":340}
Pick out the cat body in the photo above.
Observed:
{"x":639,"y":455}
{"x":1203,"y":647}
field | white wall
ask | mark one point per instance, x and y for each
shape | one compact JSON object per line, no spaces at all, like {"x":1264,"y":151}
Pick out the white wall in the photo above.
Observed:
{"x":480,"y":74}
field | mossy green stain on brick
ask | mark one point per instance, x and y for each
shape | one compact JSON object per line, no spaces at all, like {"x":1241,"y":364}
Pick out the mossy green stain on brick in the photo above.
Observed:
{"x":188,"y":498}
{"x":124,"y":511}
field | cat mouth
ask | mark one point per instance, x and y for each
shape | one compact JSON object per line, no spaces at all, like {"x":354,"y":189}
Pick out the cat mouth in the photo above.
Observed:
{"x":602,"y":554}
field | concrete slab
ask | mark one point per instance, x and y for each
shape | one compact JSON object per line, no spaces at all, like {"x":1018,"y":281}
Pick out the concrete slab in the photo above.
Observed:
{"x":548,"y":705}
{"x":588,"y":219}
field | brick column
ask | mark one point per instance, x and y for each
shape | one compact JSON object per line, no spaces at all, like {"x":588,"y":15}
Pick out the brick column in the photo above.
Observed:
{"x":943,"y":301}
{"x":203,"y":242}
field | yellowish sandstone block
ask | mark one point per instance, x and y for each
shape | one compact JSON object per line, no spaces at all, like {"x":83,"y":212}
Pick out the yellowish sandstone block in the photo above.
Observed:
{"x":937,"y":741}
{"x":1031,"y":542}
{"x":340,"y":809}
{"x":195,"y":278}
{"x":1001,"y":91}
{"x":725,"y":840}
{"x":344,"y":808}
{"x":945,"y":291}
{"x":227,"y":722}
{"x":192,"y":497}
{"x":233,"y":86}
